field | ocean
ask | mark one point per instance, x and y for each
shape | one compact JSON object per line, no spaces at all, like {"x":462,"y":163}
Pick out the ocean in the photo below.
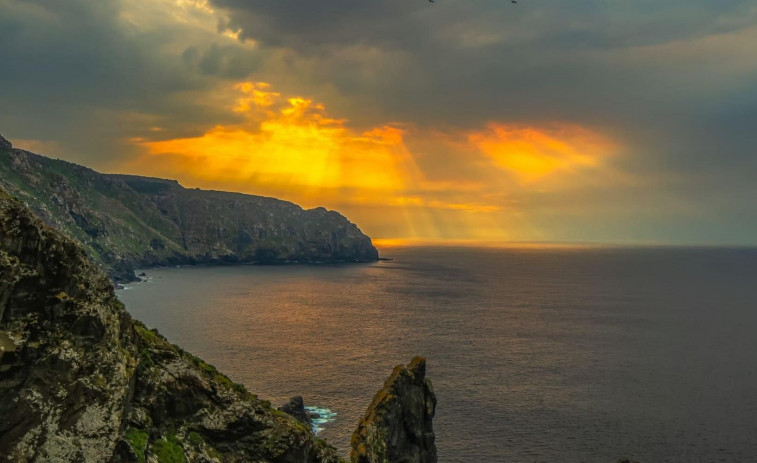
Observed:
{"x":536,"y":354}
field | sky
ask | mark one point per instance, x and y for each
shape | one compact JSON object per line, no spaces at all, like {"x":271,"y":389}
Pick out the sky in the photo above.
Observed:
{"x":628,"y":122}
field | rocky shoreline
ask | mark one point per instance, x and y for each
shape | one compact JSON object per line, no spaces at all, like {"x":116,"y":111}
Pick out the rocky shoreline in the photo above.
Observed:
{"x":84,"y":382}
{"x":81,"y":381}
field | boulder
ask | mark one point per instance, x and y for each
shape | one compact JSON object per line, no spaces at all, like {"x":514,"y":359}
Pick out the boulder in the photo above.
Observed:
{"x":296,"y":408}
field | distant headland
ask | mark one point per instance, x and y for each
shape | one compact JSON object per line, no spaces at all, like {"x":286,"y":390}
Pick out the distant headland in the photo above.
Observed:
{"x":127,"y":221}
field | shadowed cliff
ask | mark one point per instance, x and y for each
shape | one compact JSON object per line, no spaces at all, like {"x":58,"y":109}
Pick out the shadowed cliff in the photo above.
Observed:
{"x":126,"y":221}
{"x":80,"y":381}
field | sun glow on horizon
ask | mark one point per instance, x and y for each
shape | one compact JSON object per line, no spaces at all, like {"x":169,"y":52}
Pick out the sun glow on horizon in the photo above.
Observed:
{"x":290,"y":147}
{"x":289,"y":144}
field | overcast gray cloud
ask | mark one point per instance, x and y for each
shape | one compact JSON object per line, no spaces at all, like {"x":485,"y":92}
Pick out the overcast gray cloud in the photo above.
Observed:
{"x":463,"y":62}
{"x":90,"y":73}
{"x":673,"y":83}
{"x":675,"y":77}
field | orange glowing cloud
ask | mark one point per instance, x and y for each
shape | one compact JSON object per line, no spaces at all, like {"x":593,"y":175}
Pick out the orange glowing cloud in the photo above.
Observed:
{"x":531,"y":153}
{"x":445,"y":188}
{"x":287,"y":143}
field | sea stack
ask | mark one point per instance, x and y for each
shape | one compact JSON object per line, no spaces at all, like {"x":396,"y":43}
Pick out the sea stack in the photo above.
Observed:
{"x":398,"y":425}
{"x":296,"y":408}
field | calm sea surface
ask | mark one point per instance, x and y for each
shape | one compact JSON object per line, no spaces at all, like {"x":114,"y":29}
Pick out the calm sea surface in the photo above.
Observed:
{"x":537,"y":355}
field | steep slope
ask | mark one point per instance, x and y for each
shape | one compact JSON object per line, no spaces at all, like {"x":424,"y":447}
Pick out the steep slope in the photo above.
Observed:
{"x":80,"y":381}
{"x":127,"y":221}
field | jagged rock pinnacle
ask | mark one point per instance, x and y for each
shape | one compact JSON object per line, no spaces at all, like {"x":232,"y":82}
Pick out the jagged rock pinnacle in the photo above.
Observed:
{"x":398,"y":426}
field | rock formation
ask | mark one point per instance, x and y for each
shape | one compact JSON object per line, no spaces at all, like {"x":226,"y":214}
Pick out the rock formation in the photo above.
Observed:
{"x":397,"y":427}
{"x":296,"y":408}
{"x":80,"y":381}
{"x":125,"y":221}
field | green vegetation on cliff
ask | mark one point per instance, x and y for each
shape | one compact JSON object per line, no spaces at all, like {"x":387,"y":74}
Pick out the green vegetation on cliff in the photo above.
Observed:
{"x":126,"y":221}
{"x":80,"y":381}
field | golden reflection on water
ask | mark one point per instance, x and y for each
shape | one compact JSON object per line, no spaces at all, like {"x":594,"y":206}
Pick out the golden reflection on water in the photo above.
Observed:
{"x":537,"y":354}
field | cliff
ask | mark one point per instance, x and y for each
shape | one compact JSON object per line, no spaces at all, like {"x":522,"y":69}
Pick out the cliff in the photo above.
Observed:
{"x":398,"y":425}
{"x":125,"y":221}
{"x":81,"y":381}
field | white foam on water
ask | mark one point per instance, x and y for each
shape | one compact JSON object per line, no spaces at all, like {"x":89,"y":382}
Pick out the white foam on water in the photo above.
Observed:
{"x":320,"y":417}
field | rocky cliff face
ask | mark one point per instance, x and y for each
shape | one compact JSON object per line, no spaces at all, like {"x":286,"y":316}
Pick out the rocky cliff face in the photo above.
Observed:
{"x":80,"y":381}
{"x":397,"y":427}
{"x":126,"y":221}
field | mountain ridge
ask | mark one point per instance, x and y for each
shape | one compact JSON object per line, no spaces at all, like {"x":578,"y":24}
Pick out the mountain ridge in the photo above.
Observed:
{"x":126,"y":221}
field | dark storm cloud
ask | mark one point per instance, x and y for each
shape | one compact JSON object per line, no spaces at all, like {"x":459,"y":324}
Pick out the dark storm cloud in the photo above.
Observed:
{"x":672,"y":82}
{"x":305,"y":24}
{"x":464,"y":62}
{"x":223,"y":61}
{"x":80,"y":73}
{"x":494,"y":59}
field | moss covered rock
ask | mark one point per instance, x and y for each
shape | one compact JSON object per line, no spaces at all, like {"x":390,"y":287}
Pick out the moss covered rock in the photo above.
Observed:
{"x":80,"y":381}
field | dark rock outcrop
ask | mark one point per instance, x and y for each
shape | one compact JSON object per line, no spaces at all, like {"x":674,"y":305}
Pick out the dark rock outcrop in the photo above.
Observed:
{"x":397,"y":427}
{"x":80,"y":381}
{"x":5,"y":144}
{"x":126,"y":221}
{"x":296,"y":408}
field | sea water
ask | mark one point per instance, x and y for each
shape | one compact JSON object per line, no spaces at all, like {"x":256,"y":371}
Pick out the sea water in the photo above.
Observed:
{"x":536,"y":354}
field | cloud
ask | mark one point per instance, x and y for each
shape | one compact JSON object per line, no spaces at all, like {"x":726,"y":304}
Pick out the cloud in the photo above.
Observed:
{"x":531,"y":154}
{"x":487,"y":118}
{"x":286,"y":143}
{"x":291,"y":147}
{"x":89,"y":74}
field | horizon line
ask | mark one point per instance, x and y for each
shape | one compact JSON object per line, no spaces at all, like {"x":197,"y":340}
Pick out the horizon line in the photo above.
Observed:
{"x":442,"y":242}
